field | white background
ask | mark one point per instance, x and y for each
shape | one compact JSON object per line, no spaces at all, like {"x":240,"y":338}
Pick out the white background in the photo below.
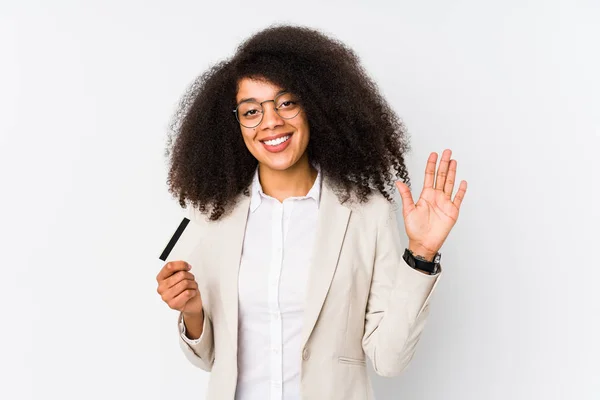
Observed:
{"x":86,"y":93}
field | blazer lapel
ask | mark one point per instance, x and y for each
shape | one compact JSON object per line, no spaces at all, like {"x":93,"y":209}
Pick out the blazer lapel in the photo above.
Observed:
{"x":332,"y":222}
{"x":229,"y":248}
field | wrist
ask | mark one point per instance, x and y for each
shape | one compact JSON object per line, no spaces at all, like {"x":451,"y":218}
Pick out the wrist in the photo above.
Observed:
{"x":422,"y":252}
{"x":193,"y":317}
{"x":193,"y":314}
{"x":418,"y":262}
{"x":194,"y":323}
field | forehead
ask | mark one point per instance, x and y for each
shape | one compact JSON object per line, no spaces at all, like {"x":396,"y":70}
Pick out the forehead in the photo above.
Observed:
{"x":257,"y":88}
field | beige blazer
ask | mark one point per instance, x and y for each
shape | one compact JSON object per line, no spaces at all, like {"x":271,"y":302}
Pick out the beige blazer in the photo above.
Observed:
{"x":362,"y":298}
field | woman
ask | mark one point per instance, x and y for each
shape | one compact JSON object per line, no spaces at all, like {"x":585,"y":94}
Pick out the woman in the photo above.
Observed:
{"x":291,"y":270}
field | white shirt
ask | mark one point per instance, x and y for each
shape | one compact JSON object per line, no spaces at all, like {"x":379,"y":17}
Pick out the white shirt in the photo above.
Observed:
{"x":274,"y":266}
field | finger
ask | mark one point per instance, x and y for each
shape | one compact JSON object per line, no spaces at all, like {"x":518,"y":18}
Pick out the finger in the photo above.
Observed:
{"x":440,"y":179}
{"x":170,"y":268}
{"x":406,"y":196}
{"x":179,"y":288}
{"x":460,"y":195}
{"x":176,"y":278}
{"x":430,"y":171}
{"x":179,"y":302}
{"x":449,"y":186}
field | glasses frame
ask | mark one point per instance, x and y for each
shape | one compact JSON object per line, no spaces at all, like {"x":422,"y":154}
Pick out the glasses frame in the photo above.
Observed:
{"x":262,"y":114}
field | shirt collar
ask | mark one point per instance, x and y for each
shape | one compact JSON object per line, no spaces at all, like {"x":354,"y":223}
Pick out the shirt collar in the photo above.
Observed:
{"x":257,"y":193}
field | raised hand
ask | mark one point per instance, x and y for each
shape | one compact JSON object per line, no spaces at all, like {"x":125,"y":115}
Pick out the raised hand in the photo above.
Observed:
{"x":429,"y":221}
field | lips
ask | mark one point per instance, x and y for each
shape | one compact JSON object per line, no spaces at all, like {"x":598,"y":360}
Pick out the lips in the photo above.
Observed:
{"x":275,"y":137}
{"x":277,"y":147}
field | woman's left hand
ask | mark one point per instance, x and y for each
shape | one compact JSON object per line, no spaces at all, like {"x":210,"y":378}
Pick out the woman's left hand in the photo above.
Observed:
{"x":430,"y":220}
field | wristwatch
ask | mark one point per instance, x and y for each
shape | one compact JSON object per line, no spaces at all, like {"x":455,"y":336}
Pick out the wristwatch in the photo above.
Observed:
{"x":429,"y":267}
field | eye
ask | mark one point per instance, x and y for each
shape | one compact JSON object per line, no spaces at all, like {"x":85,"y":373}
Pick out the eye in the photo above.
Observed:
{"x":250,"y":113}
{"x":287,"y":103}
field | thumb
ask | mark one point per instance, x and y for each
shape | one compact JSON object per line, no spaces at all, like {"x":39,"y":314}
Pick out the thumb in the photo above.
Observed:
{"x":406,"y":196}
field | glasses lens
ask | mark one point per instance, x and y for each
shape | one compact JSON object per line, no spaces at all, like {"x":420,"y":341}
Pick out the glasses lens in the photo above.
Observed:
{"x":287,"y":106}
{"x":249,"y":113}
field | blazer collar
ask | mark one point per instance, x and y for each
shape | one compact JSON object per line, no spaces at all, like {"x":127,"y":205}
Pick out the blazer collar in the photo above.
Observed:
{"x":332,"y":222}
{"x":257,"y":194}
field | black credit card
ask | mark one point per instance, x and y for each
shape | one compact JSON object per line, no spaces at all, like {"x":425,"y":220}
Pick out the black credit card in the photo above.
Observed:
{"x":184,"y":223}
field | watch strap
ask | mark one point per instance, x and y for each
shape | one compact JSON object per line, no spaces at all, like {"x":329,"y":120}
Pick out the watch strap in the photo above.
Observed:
{"x":430,"y":267}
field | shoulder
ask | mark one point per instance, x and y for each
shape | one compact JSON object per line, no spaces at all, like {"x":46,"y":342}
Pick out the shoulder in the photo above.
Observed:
{"x":199,"y":220}
{"x":376,"y":209}
{"x":195,"y":216}
{"x":202,"y":219}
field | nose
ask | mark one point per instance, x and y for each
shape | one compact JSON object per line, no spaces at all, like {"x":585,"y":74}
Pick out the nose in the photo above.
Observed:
{"x":270,"y":117}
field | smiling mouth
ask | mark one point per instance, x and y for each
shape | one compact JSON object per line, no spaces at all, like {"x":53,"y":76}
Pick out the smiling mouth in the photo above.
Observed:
{"x":278,"y":141}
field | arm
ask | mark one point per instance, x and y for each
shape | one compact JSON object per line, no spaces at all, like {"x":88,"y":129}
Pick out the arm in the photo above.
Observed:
{"x":397,"y":306}
{"x":200,"y":351}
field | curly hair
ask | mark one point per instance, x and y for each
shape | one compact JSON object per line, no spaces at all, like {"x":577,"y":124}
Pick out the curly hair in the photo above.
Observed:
{"x":355,"y":137}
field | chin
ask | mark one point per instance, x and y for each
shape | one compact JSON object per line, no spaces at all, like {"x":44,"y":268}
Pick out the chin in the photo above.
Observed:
{"x":280,"y":164}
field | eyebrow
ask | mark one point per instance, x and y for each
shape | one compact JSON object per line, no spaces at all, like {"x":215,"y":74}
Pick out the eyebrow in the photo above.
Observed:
{"x":254,"y":99}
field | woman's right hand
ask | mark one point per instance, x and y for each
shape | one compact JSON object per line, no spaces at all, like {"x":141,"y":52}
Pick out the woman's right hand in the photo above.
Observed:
{"x":178,"y":288}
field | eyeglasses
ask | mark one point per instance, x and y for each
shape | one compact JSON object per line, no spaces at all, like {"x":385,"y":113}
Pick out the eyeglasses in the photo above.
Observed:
{"x":250,"y":113}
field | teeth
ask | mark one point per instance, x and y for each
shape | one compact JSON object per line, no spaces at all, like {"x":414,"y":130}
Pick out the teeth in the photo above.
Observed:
{"x":275,"y":142}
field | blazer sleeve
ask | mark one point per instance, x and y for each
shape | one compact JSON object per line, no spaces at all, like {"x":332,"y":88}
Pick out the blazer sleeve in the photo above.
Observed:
{"x":398,"y":303}
{"x":199,"y":352}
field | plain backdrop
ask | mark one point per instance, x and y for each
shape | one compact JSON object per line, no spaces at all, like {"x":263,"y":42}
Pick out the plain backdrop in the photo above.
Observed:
{"x":87,"y":90}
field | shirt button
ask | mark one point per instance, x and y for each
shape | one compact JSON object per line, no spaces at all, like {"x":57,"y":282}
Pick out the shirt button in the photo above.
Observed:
{"x":305,"y":354}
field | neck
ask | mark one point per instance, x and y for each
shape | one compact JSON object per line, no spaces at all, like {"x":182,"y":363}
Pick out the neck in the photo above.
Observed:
{"x":294,"y":181}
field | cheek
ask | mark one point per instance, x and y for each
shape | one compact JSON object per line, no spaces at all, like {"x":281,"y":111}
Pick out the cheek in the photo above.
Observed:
{"x":248,"y":134}
{"x":305,"y":133}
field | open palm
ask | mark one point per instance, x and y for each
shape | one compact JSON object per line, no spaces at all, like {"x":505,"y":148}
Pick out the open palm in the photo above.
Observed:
{"x":429,"y":221}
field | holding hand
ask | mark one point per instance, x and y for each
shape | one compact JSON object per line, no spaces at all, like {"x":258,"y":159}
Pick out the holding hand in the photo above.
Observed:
{"x":178,"y":288}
